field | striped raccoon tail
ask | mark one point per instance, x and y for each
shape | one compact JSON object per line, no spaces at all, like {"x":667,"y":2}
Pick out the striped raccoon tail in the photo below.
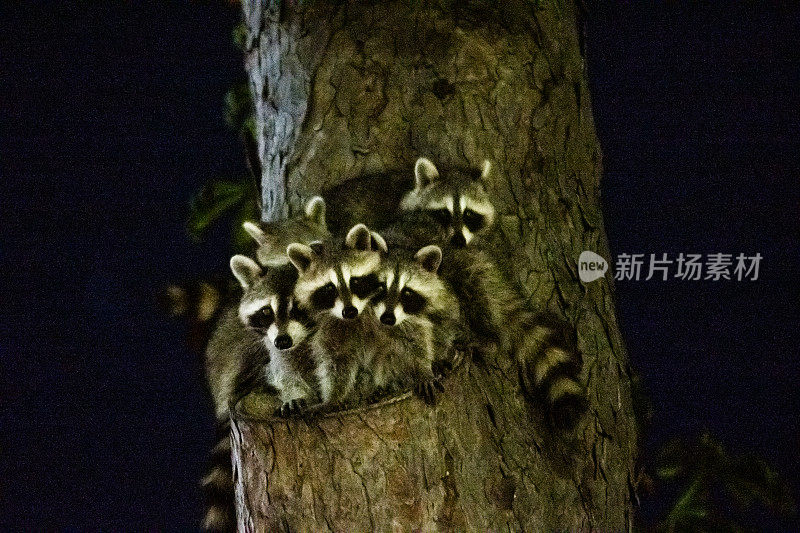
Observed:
{"x":550,"y":367}
{"x":220,"y":514}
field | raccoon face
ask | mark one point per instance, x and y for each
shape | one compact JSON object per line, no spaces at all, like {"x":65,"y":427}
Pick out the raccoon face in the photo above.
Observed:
{"x":267,"y":305}
{"x":342,"y":282}
{"x":274,"y":237}
{"x":410,"y":288}
{"x":457,"y":201}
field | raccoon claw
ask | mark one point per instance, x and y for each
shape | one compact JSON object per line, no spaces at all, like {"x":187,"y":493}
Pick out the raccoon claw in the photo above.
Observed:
{"x":291,"y":408}
{"x":429,"y":389}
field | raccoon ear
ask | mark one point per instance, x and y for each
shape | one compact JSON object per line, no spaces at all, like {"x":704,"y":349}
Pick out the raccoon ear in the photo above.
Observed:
{"x":486,"y":170}
{"x":429,"y":258}
{"x":300,"y":255}
{"x":378,"y":243}
{"x":245,"y":269}
{"x":255,"y":232}
{"x":359,"y":238}
{"x":425,"y":172}
{"x":315,"y":210}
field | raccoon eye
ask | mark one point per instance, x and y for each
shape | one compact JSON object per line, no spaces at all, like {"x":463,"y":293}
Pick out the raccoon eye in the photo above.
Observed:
{"x":381,"y":292}
{"x":262,"y":318}
{"x":412,"y":301}
{"x":442,"y":216}
{"x":472,"y":220}
{"x":364,"y":285}
{"x":324,"y":297}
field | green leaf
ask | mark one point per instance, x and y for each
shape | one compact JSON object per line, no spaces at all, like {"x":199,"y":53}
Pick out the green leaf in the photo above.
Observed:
{"x":239,"y":108}
{"x":239,"y":35}
{"x":688,"y":505}
{"x":215,"y":200}
{"x":242,"y":241}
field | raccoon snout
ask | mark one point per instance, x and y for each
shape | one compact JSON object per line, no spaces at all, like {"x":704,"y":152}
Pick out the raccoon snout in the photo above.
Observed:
{"x":282,"y":342}
{"x":458,"y":240}
{"x":388,"y":319}
{"x":350,"y":312}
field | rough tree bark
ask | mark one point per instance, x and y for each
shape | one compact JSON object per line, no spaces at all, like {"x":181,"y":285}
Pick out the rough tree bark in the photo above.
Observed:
{"x":344,"y":89}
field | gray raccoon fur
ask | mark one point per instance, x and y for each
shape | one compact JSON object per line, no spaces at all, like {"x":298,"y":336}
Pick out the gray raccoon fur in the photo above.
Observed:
{"x":498,"y":318}
{"x":419,"y":319}
{"x":370,"y":200}
{"x":334,"y":286}
{"x":243,"y":355}
{"x":456,"y":199}
{"x":272,"y":238}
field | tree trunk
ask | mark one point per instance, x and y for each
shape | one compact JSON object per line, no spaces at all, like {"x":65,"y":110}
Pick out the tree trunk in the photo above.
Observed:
{"x":345,"y":89}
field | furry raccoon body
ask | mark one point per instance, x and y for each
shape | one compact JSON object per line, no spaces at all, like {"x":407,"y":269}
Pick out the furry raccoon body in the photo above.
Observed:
{"x":370,"y":200}
{"x":453,"y":210}
{"x":260,"y":343}
{"x":420,"y":319}
{"x":334,"y":288}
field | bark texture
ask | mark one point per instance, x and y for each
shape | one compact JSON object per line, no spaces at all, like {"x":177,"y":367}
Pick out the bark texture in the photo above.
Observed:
{"x":345,"y":89}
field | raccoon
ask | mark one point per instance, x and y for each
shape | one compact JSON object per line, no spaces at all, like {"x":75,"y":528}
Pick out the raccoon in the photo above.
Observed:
{"x":420,"y":319}
{"x":198,"y":303}
{"x":268,"y":308}
{"x":457,"y":200}
{"x":259,"y":342}
{"x":497,"y":318}
{"x":273,"y":237}
{"x":334,"y":287}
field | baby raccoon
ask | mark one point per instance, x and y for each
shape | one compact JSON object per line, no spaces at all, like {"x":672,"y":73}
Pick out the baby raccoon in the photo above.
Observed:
{"x":334,"y":287}
{"x":457,"y":200}
{"x":274,"y":237}
{"x":268,"y":309}
{"x":260,"y":341}
{"x":498,"y":317}
{"x":419,"y":317}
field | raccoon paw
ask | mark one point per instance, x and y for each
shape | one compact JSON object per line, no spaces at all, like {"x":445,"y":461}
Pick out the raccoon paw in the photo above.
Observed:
{"x":429,"y":389}
{"x":291,"y":408}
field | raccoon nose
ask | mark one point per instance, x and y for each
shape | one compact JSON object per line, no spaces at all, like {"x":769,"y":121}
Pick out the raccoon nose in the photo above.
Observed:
{"x":458,"y":240}
{"x":350,"y":312}
{"x":388,"y":318}
{"x":283,"y":342}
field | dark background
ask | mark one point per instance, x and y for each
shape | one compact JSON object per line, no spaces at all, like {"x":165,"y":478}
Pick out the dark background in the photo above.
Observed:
{"x":112,"y":119}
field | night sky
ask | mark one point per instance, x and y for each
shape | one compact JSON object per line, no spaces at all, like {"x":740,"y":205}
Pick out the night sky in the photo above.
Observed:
{"x":112,"y":119}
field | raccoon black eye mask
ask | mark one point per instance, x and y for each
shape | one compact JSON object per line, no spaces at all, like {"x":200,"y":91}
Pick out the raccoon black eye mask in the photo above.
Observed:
{"x":262,"y":318}
{"x":473,"y":221}
{"x":365,"y":286}
{"x":324,"y":297}
{"x":412,"y":301}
